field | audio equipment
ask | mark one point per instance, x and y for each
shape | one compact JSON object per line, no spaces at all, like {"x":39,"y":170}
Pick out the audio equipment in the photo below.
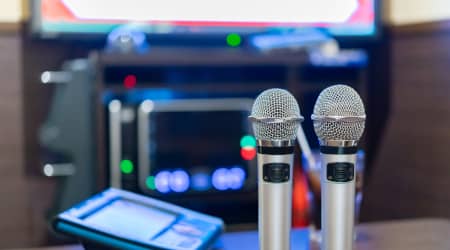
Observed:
{"x":275,"y":118}
{"x":339,"y":120}
{"x":117,"y":94}
{"x":151,"y":146}
{"x":197,"y":153}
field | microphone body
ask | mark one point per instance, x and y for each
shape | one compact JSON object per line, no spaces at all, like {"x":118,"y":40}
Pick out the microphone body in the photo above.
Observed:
{"x":338,"y":200}
{"x":339,"y":121}
{"x":275,"y":118}
{"x":275,"y":199}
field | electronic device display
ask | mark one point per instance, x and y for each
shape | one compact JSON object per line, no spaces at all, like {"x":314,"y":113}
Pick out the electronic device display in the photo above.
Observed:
{"x":340,"y":18}
{"x":125,"y":220}
{"x":182,"y":146}
{"x":222,"y":159}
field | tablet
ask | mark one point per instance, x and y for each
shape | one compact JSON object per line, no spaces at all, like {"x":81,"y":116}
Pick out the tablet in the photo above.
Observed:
{"x":124,"y":220}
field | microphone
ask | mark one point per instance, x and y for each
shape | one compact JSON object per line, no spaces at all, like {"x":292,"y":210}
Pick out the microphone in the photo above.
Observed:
{"x":276,"y":119}
{"x":339,"y":120}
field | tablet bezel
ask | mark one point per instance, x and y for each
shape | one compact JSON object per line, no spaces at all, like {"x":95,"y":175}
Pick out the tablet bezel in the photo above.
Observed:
{"x":71,"y":220}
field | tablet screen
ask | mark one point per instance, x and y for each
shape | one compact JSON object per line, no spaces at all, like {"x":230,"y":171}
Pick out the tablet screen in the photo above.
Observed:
{"x":130,"y":220}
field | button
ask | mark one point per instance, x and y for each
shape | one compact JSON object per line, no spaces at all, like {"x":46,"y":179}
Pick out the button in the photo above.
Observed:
{"x":276,"y":172}
{"x":340,"y":171}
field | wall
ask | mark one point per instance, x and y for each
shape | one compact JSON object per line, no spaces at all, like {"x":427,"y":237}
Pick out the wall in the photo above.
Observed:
{"x":24,"y":199}
{"x":411,"y":169}
{"x":12,"y":11}
{"x":410,"y":175}
{"x":14,"y":205}
{"x":15,"y":208}
{"x":402,"y":12}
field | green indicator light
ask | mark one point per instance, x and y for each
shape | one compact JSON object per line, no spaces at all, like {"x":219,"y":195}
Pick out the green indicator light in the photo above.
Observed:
{"x":150,"y":182}
{"x":248,"y":141}
{"x":126,"y":166}
{"x":234,"y":40}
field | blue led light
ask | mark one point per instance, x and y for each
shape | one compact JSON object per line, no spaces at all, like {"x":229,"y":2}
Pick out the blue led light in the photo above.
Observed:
{"x":201,"y":181}
{"x":220,"y":179}
{"x":162,"y":181}
{"x":237,"y":178}
{"x":179,"y":181}
{"x":234,"y":178}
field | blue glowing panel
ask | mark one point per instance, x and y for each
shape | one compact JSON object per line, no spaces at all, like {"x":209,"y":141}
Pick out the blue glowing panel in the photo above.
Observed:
{"x":237,"y":178}
{"x":201,"y":181}
{"x":220,"y":179}
{"x":162,"y":181}
{"x":179,"y":181}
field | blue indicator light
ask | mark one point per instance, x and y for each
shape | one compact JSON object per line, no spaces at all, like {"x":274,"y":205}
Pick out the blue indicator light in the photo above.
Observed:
{"x":179,"y":181}
{"x":220,"y":179}
{"x":223,"y":178}
{"x":201,"y":181}
{"x":162,"y":181}
{"x":237,"y":178}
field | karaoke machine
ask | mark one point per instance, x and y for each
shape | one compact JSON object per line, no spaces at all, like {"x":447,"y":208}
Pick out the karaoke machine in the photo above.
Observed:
{"x":197,"y":153}
{"x":176,"y":148}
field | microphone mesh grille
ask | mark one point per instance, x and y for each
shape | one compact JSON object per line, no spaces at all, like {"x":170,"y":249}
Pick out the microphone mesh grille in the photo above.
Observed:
{"x":275,"y":103}
{"x":339,"y":100}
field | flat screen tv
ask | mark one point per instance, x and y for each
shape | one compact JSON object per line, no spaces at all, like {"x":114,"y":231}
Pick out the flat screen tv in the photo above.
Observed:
{"x":342,"y":18}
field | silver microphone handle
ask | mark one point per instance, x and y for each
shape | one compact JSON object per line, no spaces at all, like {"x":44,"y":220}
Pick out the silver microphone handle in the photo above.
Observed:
{"x":274,"y":206}
{"x":338,"y":206}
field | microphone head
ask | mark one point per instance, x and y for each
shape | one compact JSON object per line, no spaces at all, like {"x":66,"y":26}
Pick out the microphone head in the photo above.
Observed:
{"x":275,"y":116}
{"x":339,"y":114}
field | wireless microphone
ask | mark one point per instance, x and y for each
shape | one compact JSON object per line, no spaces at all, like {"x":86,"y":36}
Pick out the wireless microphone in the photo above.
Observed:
{"x":339,"y":120}
{"x":275,"y":118}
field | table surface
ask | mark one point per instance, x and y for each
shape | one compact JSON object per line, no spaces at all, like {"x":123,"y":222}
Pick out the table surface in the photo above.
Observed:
{"x":417,"y":234}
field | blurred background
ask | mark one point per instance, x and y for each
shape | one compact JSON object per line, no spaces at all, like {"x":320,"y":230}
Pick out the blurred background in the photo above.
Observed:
{"x":152,"y":98}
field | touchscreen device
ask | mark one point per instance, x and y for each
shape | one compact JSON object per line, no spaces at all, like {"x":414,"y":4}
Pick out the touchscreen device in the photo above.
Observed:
{"x":124,"y":220}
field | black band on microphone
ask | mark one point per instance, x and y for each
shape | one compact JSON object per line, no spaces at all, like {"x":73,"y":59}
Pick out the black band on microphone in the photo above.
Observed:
{"x":275,"y":150}
{"x":338,"y":150}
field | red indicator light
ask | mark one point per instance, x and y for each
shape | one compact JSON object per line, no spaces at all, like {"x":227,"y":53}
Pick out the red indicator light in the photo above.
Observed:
{"x":130,"y":81}
{"x":248,"y":153}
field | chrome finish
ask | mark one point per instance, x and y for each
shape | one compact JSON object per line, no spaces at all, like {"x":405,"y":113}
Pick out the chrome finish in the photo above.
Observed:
{"x":339,"y":114}
{"x":271,"y":120}
{"x":115,"y":143}
{"x":58,"y":77}
{"x":275,"y":115}
{"x":274,"y":206}
{"x":144,"y":164}
{"x":338,"y":143}
{"x":338,"y":118}
{"x":276,"y":143}
{"x":224,"y":104}
{"x":149,"y":106}
{"x":58,"y":169}
{"x":338,"y":207}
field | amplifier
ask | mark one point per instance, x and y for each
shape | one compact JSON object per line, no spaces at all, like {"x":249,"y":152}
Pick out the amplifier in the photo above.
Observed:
{"x":182,"y":148}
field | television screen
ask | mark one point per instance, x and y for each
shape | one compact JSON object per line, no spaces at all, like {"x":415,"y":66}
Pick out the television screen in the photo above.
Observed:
{"x":340,"y":18}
